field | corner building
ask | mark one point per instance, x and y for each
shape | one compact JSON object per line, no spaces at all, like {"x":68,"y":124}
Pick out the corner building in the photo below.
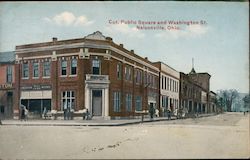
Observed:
{"x":91,"y":72}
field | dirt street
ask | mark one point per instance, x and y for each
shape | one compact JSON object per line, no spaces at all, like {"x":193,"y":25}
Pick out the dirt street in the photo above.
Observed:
{"x":220,"y":136}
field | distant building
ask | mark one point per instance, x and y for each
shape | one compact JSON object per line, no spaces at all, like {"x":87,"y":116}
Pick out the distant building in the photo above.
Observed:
{"x":7,"y":84}
{"x":213,"y":106}
{"x":195,"y":91}
{"x":90,"y":73}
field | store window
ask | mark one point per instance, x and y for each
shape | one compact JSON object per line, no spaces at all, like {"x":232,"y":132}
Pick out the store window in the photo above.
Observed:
{"x":68,"y":100}
{"x":138,"y":103}
{"x":129,"y":102}
{"x":117,"y":101}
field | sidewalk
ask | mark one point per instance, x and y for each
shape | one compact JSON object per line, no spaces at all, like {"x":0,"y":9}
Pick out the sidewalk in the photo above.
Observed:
{"x":94,"y":122}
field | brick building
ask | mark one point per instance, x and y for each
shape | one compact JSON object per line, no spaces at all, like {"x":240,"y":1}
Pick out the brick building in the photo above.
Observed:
{"x":91,"y":72}
{"x":7,"y":84}
{"x":195,"y":91}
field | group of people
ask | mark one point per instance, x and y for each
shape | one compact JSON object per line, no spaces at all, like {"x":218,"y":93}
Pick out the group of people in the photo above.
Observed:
{"x":153,"y":111}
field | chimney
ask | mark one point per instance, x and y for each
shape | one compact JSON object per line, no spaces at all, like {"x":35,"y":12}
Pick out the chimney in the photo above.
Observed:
{"x":132,"y":51}
{"x":54,"y":39}
{"x":121,"y":45}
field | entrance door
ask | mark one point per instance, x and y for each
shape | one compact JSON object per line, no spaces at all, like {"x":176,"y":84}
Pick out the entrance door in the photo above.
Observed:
{"x":97,"y":102}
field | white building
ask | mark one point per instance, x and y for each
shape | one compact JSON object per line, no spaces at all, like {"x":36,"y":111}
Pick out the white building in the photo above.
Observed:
{"x":169,"y":86}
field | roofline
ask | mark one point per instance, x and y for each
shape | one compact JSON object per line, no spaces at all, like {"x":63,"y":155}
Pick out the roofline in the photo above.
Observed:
{"x":166,"y":65}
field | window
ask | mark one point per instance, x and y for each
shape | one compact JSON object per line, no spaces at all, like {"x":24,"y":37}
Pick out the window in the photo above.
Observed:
{"x":138,"y":103}
{"x":46,"y":69}
{"x":68,"y":100}
{"x":138,"y":79}
{"x":73,"y":66}
{"x":117,"y":101}
{"x":64,"y":68}
{"x":168,"y":84}
{"x":35,"y":69}
{"x":164,"y":101}
{"x":129,"y":102}
{"x":162,"y":82}
{"x":165,"y":79}
{"x":25,"y":70}
{"x":119,"y":71}
{"x":96,"y":66}
{"x":9,"y":74}
{"x":128,"y":73}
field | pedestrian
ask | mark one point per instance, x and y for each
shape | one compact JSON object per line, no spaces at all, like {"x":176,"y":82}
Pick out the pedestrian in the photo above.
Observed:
{"x":26,"y":112}
{"x":169,"y":114}
{"x":151,"y":112}
{"x":88,"y":115}
{"x":156,"y":112}
{"x":45,"y":111}
{"x":65,"y":111}
{"x":22,"y":113}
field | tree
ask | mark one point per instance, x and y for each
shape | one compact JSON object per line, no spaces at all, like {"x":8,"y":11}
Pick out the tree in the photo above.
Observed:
{"x":226,"y":98}
{"x":246,"y":101}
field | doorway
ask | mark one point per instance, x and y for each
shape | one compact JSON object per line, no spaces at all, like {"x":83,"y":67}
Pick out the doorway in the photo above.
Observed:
{"x":97,"y":102}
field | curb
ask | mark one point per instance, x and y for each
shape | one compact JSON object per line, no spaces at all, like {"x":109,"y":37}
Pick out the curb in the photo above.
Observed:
{"x":94,"y":124}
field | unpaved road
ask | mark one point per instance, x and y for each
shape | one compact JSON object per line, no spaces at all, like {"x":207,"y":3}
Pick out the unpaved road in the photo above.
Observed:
{"x":221,"y":136}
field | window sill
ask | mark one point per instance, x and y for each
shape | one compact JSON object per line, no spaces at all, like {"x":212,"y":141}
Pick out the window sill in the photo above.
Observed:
{"x":35,"y":77}
{"x":46,"y":77}
{"x":25,"y":77}
{"x":72,"y":75}
{"x":63,"y":76}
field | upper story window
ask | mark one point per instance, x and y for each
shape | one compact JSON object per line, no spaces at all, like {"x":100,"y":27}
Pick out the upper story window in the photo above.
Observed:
{"x":35,"y":69}
{"x":25,"y":70}
{"x":46,"y":69}
{"x":9,"y":74}
{"x":73,"y":66}
{"x":119,"y":71}
{"x":139,"y":77}
{"x":128,"y":73}
{"x":63,"y":67}
{"x":96,"y":66}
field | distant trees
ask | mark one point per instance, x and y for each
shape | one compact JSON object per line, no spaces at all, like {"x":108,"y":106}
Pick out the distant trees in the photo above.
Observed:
{"x":226,"y":98}
{"x":246,"y":101}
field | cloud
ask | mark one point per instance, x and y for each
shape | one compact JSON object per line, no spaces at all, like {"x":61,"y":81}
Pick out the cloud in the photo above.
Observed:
{"x":68,"y":19}
{"x":190,"y":31}
{"x":124,"y":29}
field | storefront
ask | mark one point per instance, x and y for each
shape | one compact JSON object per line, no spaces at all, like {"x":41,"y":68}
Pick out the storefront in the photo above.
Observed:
{"x":36,"y":98}
{"x":6,"y":100}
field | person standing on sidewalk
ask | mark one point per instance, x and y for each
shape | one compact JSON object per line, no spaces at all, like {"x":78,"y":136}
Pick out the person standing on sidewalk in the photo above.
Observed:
{"x":151,"y":112}
{"x":26,"y":112}
{"x":22,"y":113}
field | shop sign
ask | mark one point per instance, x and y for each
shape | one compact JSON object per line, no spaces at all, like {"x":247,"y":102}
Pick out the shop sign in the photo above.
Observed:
{"x":36,"y":87}
{"x":6,"y":86}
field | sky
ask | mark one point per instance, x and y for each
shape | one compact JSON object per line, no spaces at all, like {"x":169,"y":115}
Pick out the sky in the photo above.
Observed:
{"x":217,"y":39}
